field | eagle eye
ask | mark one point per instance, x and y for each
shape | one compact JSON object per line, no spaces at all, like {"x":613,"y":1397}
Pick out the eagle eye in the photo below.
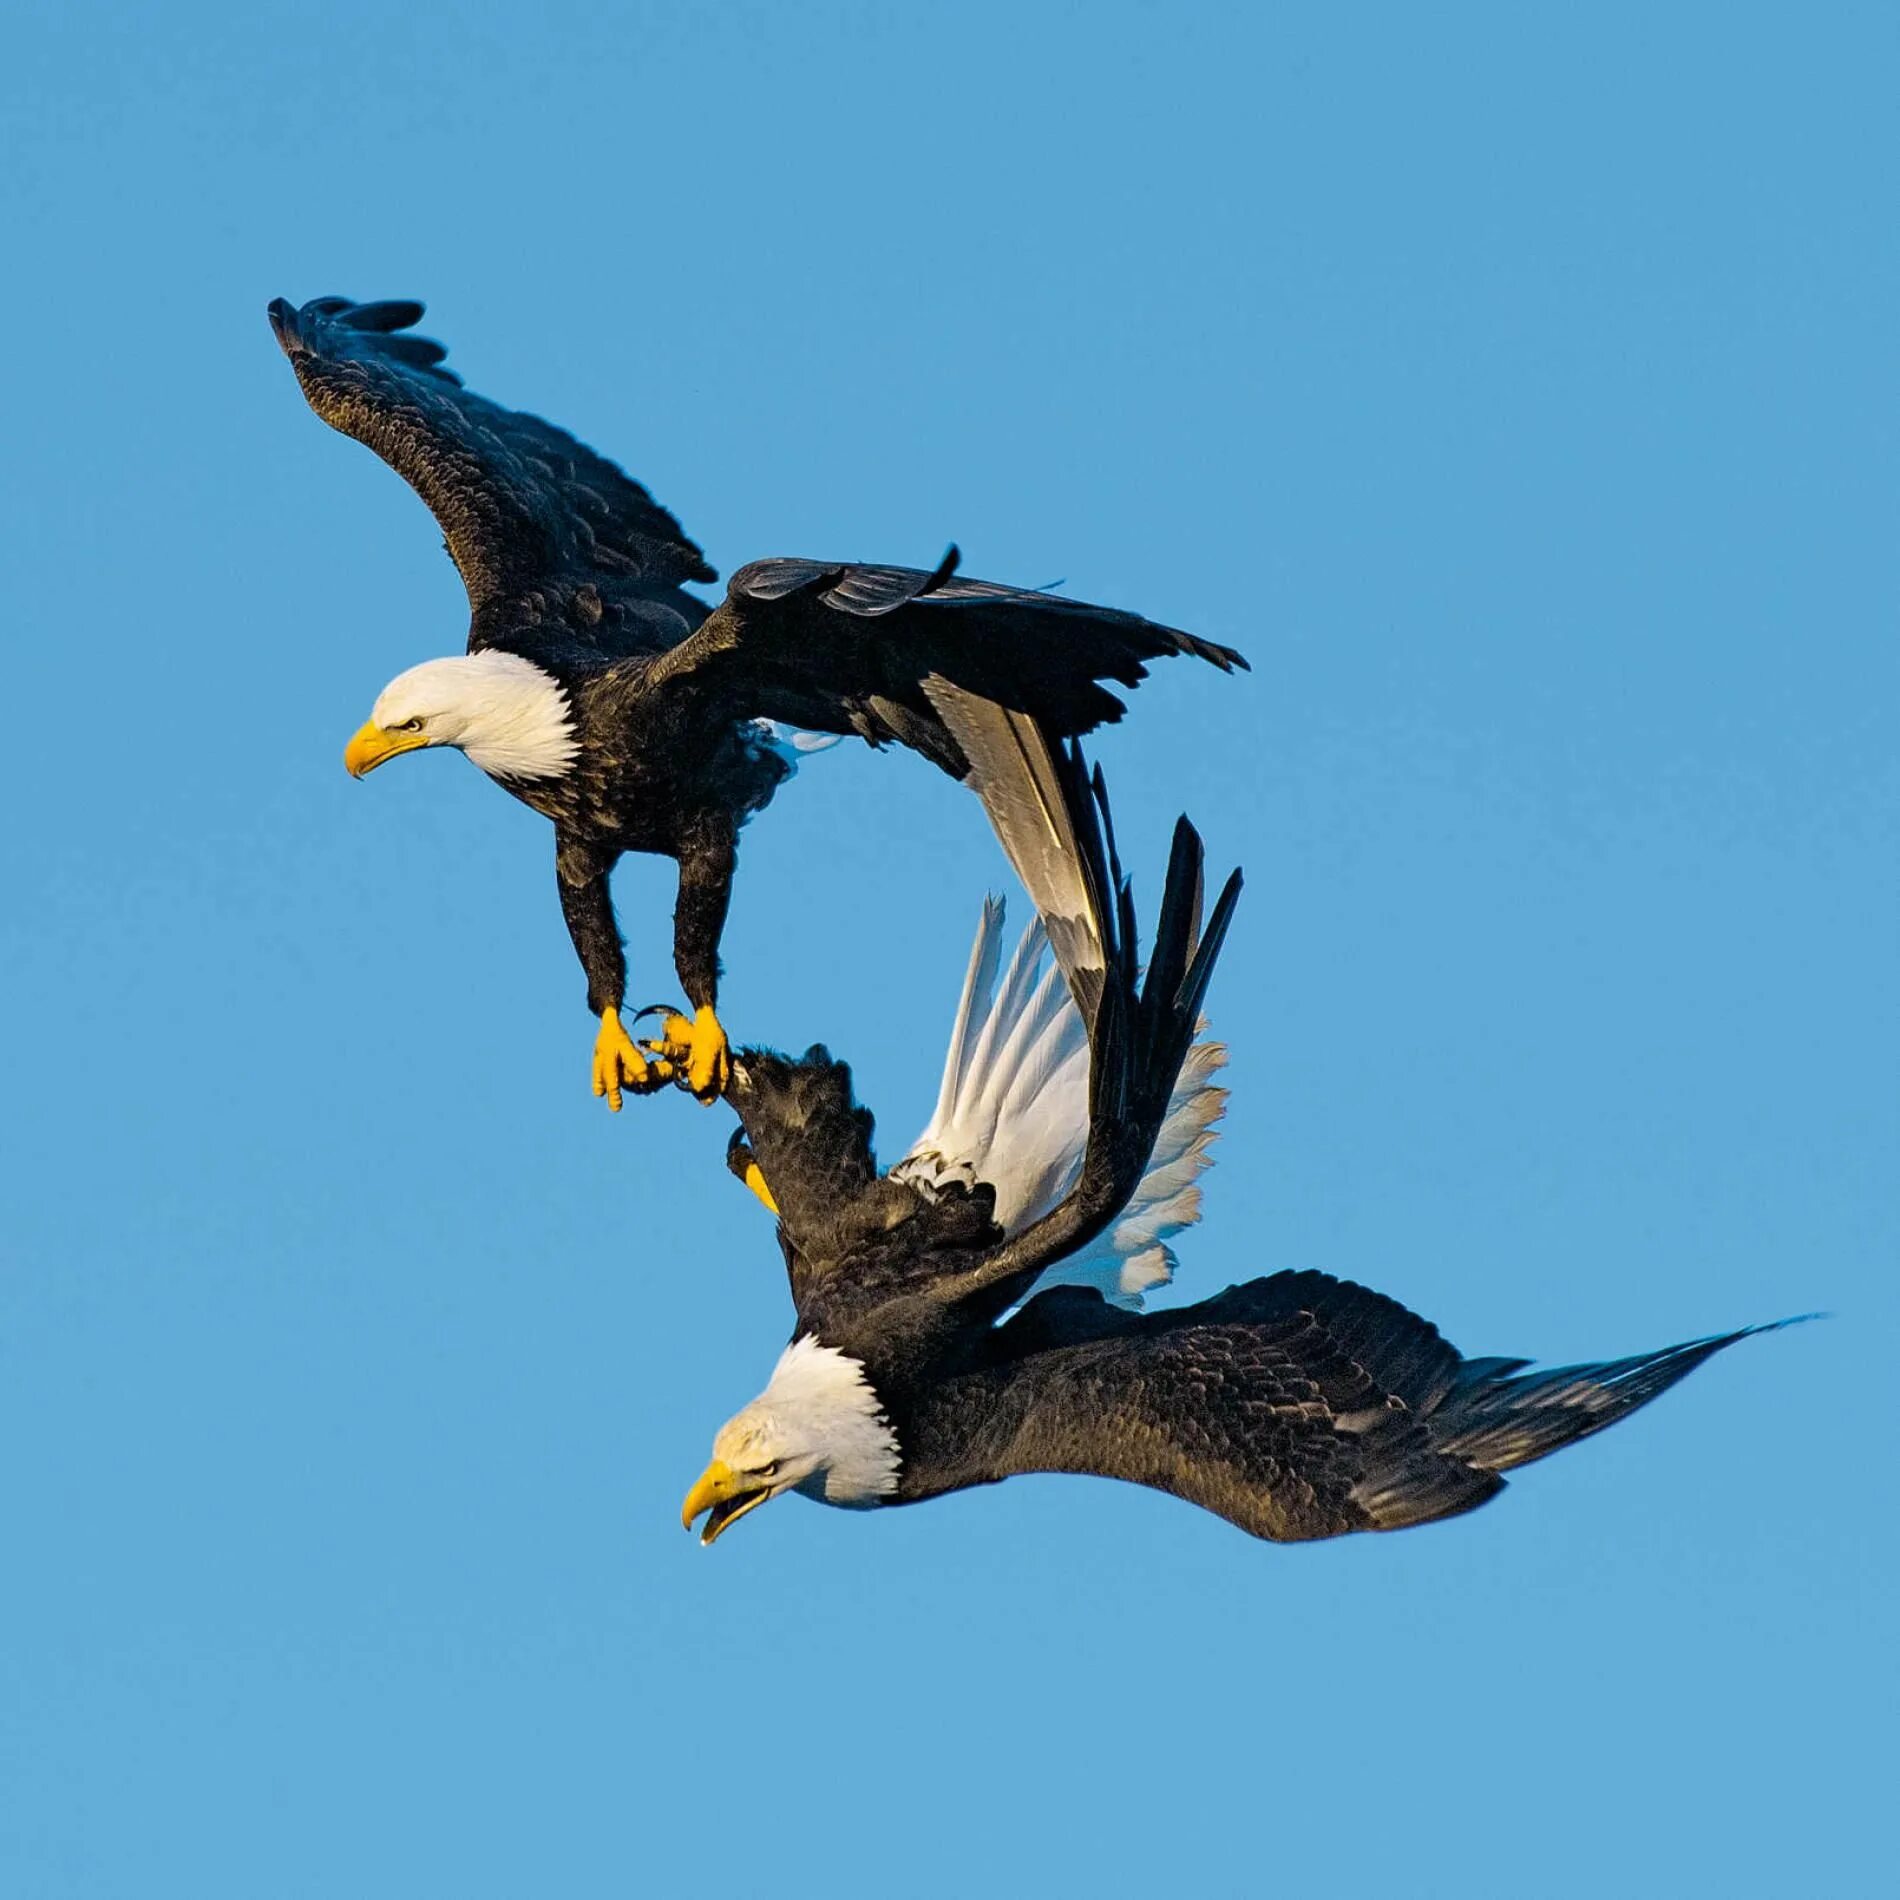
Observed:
{"x":410,"y":725}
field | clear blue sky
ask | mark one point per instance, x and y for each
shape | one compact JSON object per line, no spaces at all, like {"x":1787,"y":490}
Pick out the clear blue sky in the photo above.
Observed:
{"x":1518,"y":391}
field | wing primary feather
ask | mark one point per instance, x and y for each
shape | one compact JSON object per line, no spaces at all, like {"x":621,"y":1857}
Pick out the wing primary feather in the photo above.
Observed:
{"x":1500,"y":1421}
{"x":1139,"y":1038}
{"x":1015,"y":768}
{"x":389,"y":313}
{"x":524,"y":507}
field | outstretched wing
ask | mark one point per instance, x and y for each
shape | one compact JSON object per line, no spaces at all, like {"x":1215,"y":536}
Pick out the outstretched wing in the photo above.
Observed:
{"x":1296,"y":1407}
{"x":1013,"y":1111}
{"x":933,"y":1227}
{"x":850,"y":649}
{"x":1140,"y":1028}
{"x":520,"y":502}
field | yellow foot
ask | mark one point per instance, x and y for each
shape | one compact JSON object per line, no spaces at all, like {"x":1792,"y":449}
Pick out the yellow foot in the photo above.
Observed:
{"x":696,"y":1049}
{"x":618,"y":1064}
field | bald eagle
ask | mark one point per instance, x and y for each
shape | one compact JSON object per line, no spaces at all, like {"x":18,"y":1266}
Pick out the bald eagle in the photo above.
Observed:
{"x":602,"y":693}
{"x":973,"y":1313}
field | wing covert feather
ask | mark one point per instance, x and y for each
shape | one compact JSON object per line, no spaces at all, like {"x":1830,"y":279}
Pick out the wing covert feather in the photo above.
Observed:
{"x":844,"y":647}
{"x":1297,"y":1406}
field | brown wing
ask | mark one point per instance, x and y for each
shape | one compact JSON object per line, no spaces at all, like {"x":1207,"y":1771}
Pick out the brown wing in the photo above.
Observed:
{"x":1296,"y":1407}
{"x":521,"y":503}
{"x":845,"y":648}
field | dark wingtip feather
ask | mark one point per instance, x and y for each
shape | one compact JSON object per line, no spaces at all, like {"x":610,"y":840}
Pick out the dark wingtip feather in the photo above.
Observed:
{"x":1499,"y":1423}
{"x":1209,"y":948}
{"x":390,"y":313}
{"x":378,"y":327}
{"x":1228,"y":659}
{"x":1139,"y":1044}
{"x":1178,"y":927}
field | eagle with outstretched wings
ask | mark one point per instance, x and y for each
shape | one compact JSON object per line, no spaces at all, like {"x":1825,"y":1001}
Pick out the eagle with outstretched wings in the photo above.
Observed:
{"x":637,"y":717}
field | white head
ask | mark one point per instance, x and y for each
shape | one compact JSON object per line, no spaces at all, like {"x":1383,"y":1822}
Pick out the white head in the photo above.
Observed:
{"x":509,"y":716}
{"x":818,"y":1427}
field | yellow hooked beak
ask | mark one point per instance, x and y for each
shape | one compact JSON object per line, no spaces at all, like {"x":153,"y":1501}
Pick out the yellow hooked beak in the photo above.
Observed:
{"x":373,"y":744}
{"x":727,"y":1494}
{"x":755,"y":1180}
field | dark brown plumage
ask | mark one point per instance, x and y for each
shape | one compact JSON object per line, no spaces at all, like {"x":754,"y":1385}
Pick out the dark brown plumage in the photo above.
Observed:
{"x":573,"y":568}
{"x":1296,"y":1406}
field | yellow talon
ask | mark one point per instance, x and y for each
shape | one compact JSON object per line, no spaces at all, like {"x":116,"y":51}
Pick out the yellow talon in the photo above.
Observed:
{"x":699,"y":1048}
{"x":756,"y":1182}
{"x":617,"y":1063}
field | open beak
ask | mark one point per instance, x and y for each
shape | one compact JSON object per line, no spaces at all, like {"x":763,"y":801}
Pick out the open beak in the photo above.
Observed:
{"x":372,"y":745}
{"x":727,"y":1494}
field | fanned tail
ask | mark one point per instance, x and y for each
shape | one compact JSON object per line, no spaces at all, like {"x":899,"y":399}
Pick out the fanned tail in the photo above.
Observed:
{"x":1015,"y":1106}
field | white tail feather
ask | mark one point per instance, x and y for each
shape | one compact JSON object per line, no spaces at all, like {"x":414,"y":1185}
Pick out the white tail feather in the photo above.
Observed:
{"x":978,"y":980}
{"x":1013,"y":1111}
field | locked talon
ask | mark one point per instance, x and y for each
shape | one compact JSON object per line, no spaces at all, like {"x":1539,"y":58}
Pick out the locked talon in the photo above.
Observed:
{"x":617,"y":1063}
{"x":703,"y":1046}
{"x":691,"y":1050}
{"x":670,"y":1038}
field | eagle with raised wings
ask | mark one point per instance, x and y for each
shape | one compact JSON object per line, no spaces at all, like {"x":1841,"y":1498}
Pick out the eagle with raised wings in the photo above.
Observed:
{"x":973,"y":1313}
{"x":602,"y":693}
